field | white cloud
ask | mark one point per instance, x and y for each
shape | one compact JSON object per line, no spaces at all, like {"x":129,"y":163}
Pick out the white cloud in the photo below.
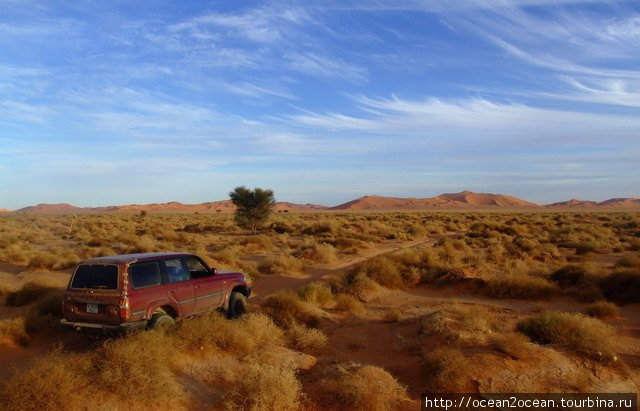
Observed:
{"x":325,"y":66}
{"x":253,"y":90}
{"x":476,"y":118}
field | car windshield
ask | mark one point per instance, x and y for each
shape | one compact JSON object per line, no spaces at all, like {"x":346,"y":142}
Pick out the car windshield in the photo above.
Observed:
{"x":96,"y":276}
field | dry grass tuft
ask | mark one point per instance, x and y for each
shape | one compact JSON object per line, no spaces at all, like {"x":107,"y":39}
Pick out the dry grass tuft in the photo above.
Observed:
{"x":623,"y":287}
{"x":349,"y":305}
{"x":519,"y":286}
{"x":448,"y":370}
{"x":13,"y":332}
{"x":317,"y":294}
{"x":138,"y":370}
{"x":28,"y":293}
{"x":575,"y":332}
{"x":265,"y":387}
{"x":303,"y":338}
{"x":55,"y":381}
{"x":602,"y":309}
{"x":514,"y":345}
{"x":285,"y":309}
{"x":362,"y":388}
{"x":212,"y":332}
{"x":281,"y":264}
{"x":392,"y":315}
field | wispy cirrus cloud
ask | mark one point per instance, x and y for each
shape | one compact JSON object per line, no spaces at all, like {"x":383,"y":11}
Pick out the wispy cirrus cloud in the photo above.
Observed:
{"x":474,"y":118}
{"x":325,"y":66}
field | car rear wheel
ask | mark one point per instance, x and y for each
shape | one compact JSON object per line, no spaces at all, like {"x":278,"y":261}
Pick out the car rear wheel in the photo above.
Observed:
{"x":237,"y":305}
{"x":161,"y":321}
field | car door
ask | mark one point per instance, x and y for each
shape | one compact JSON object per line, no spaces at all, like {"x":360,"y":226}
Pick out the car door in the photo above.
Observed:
{"x":179,"y":286}
{"x":208,"y":288}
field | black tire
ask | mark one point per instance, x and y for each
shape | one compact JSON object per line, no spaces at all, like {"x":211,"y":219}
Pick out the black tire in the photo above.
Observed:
{"x":237,"y":305}
{"x":161,"y":321}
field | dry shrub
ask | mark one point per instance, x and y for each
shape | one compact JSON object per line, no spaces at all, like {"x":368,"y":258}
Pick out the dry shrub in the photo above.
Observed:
{"x":383,"y":271}
{"x":5,"y":289}
{"x":361,"y":286}
{"x":227,"y":255}
{"x":285,"y":309}
{"x":570,"y":275}
{"x":349,"y":305}
{"x":513,"y":344}
{"x":362,"y":388}
{"x":51,"y":303}
{"x":601,"y":309}
{"x":628,"y":262}
{"x":433,"y":323}
{"x":623,"y":287}
{"x":256,"y":243}
{"x":55,"y":381}
{"x":575,"y":332}
{"x":138,"y":370}
{"x":472,"y":317}
{"x":448,"y":370}
{"x":316,"y":293}
{"x":587,"y":247}
{"x":261,"y":329}
{"x":321,"y":253}
{"x":279,"y":264}
{"x":303,"y":338}
{"x":518,"y":286}
{"x":213,"y":332}
{"x":324,"y":226}
{"x":392,"y":315}
{"x":13,"y":331}
{"x":28,"y":293}
{"x":265,"y":387}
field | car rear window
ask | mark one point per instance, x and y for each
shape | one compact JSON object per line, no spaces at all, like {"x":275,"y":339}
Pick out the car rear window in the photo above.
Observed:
{"x":96,"y":276}
{"x":144,"y":275}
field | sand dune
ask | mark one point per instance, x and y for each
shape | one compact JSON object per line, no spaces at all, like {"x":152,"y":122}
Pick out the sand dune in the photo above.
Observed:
{"x":172,"y":206}
{"x":621,"y":202}
{"x":464,"y":199}
{"x":573,"y":203}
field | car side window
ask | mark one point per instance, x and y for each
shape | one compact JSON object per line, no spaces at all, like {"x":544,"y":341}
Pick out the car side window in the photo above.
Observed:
{"x":144,"y":275}
{"x":196,"y":267}
{"x":175,"y":271}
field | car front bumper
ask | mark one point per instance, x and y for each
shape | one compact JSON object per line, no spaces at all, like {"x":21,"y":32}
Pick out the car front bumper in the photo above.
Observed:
{"x":104,"y":329}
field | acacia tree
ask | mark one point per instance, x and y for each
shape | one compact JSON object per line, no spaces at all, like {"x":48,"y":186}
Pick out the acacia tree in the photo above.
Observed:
{"x":252,"y":206}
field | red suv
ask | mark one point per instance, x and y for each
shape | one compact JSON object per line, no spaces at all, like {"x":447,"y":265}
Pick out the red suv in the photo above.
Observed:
{"x":115,"y":295}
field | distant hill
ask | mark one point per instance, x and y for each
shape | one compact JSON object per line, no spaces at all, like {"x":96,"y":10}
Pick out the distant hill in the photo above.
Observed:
{"x":463,"y":200}
{"x":454,"y":200}
{"x":170,"y":207}
{"x":573,"y":203}
{"x":621,"y":202}
{"x":50,"y":209}
{"x":4,"y":210}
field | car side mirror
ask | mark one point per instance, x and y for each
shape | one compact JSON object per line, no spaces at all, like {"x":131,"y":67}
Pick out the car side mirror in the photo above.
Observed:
{"x":213,"y":271}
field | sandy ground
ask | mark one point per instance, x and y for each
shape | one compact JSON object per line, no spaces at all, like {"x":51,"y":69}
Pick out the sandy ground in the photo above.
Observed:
{"x":372,"y":340}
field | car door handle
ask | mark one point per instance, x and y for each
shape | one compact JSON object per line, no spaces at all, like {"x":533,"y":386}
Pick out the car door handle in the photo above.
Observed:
{"x":197,"y":286}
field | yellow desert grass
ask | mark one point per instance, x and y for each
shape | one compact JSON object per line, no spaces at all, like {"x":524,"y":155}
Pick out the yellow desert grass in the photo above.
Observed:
{"x":13,"y":331}
{"x":143,"y":371}
{"x":571,"y":331}
{"x":363,"y":387}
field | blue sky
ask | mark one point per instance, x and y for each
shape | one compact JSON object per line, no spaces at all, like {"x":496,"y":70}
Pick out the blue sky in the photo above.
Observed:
{"x":112,"y":102}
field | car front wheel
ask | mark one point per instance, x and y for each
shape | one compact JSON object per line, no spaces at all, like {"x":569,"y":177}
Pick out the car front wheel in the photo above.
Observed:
{"x":237,"y":305}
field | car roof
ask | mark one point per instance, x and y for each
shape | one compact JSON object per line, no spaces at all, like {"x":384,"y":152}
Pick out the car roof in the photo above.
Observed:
{"x":131,"y":258}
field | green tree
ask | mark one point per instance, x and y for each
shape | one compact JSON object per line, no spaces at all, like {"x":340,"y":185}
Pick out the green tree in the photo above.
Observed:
{"x":253,"y":206}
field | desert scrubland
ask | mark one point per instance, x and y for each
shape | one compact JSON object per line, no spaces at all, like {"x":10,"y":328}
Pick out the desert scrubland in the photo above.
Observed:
{"x":345,"y":306}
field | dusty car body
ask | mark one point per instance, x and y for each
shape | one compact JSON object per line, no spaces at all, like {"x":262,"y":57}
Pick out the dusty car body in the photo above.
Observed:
{"x":119,"y":294}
